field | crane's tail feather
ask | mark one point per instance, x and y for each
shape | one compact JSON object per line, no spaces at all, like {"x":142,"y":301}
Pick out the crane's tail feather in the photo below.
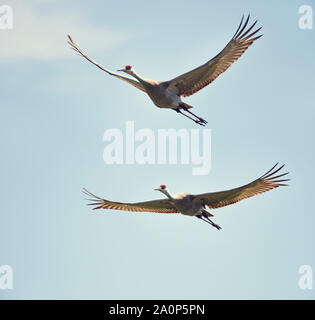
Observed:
{"x":208,"y":214}
{"x":186,"y":105}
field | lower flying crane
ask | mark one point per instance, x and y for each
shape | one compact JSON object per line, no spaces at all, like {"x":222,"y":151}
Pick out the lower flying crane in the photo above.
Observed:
{"x":195,"y":205}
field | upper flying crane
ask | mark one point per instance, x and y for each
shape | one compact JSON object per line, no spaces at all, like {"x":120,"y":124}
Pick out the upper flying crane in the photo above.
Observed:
{"x":167,"y":94}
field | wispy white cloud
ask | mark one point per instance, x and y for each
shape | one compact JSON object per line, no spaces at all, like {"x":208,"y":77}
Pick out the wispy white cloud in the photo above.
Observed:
{"x":40,"y":35}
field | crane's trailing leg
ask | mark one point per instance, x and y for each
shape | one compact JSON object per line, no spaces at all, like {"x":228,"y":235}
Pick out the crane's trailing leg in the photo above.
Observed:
{"x":205,"y":215}
{"x":202,"y":217}
{"x":187,"y":116}
{"x":199,"y":118}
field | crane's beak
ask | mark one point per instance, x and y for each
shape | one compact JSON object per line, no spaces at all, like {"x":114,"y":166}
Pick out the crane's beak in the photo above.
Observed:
{"x":157,"y":189}
{"x":121,"y":69}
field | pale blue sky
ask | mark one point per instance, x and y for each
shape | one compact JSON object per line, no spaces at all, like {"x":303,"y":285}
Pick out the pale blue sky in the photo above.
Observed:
{"x":55,"y":108}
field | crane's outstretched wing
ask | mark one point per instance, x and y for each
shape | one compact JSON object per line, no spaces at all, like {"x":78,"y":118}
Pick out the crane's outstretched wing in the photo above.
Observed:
{"x":266,"y":182}
{"x":76,"y":48}
{"x":192,"y":81}
{"x":157,"y":206}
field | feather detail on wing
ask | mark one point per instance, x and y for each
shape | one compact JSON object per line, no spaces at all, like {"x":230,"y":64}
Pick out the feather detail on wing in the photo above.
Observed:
{"x":192,"y":81}
{"x":76,"y":48}
{"x":266,"y":182}
{"x":157,"y":206}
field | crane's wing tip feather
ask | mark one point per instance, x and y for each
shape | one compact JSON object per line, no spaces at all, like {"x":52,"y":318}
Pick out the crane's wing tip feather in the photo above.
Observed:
{"x":71,"y":42}
{"x":282,"y":185}
{"x":254,"y":39}
{"x":94,"y":200}
{"x":274,"y":172}
{"x":282,"y":180}
{"x":248,"y":39}
{"x":250,"y":35}
{"x":241,"y":32}
{"x":99,"y":207}
{"x":90,"y":199}
{"x":238,"y":26}
{"x":269,"y":170}
{"x":279,"y":176}
{"x":85,"y":191}
{"x":241,"y":28}
{"x":74,"y":46}
{"x":90,"y":194}
{"x":270,"y":176}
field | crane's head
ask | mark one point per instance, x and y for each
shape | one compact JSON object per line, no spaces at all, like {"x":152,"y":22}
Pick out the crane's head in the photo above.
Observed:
{"x":128,"y":69}
{"x":162,"y":188}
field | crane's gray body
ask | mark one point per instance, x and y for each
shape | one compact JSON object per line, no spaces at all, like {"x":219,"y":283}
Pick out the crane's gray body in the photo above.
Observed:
{"x":161,"y":94}
{"x":187,"y":204}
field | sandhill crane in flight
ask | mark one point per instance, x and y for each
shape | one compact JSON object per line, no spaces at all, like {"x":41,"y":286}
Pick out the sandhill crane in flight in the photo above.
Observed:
{"x":195,"y":205}
{"x":167,"y":94}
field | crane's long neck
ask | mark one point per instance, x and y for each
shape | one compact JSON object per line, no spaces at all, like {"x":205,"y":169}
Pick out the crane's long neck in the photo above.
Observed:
{"x":168,"y":195}
{"x":141,"y":80}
